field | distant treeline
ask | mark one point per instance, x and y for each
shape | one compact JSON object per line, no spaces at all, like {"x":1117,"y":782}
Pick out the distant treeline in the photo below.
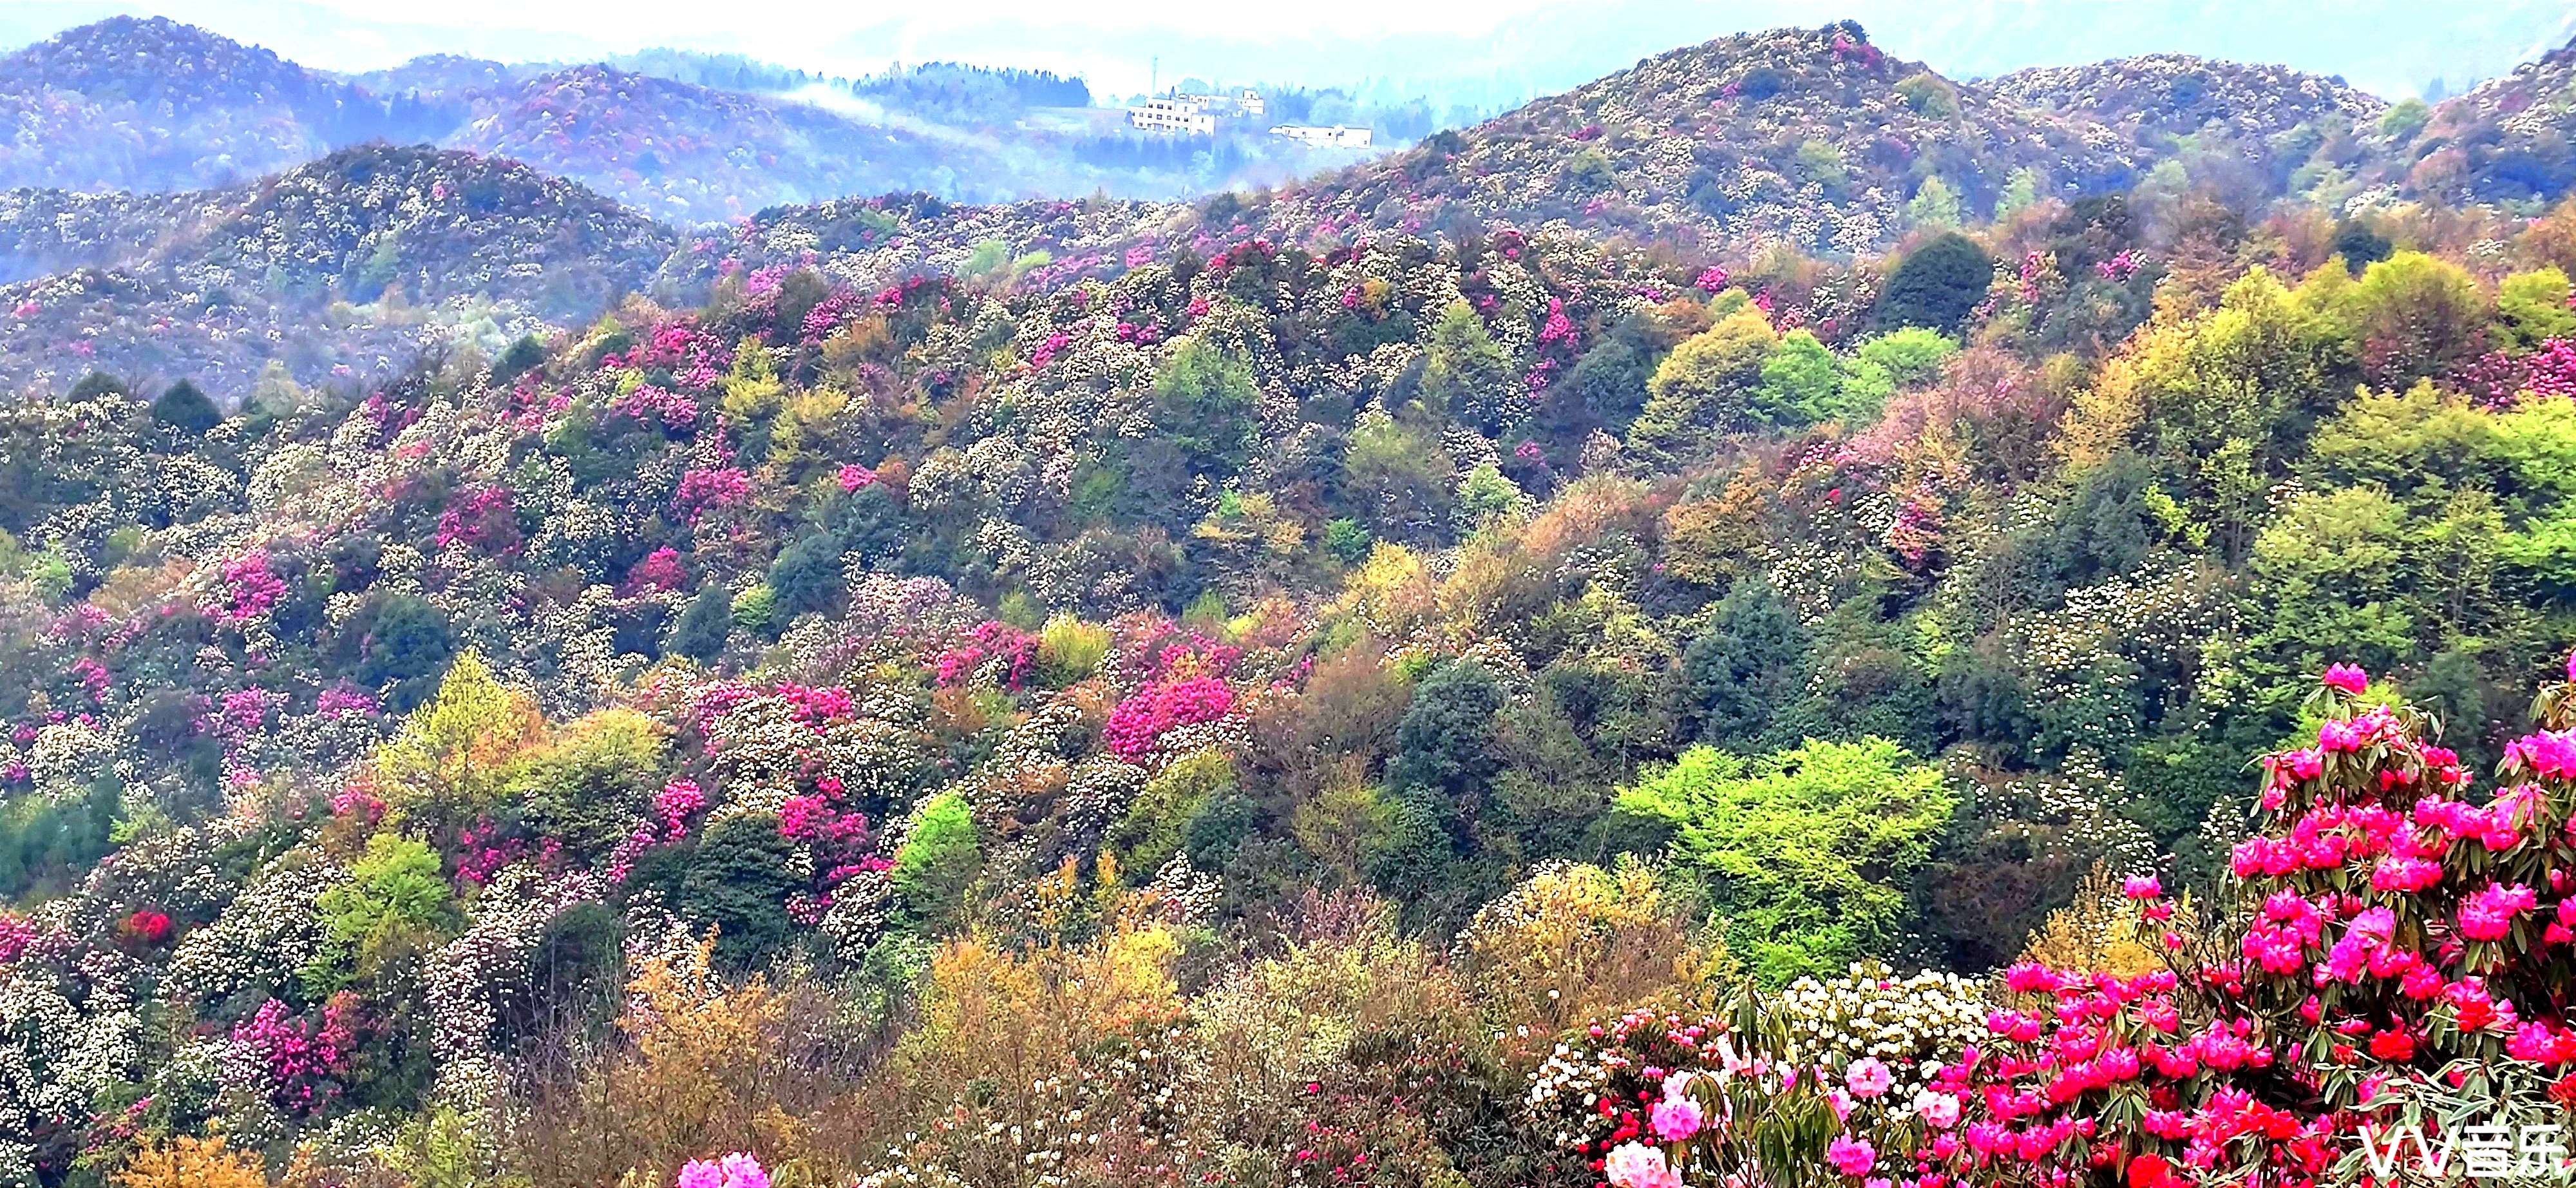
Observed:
{"x":972,"y":92}
{"x":953,"y":89}
{"x":1409,"y":120}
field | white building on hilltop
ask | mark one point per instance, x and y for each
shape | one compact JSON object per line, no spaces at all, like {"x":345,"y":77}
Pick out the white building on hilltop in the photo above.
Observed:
{"x":1250,"y":102}
{"x":1324,"y":136}
{"x":1186,"y":115}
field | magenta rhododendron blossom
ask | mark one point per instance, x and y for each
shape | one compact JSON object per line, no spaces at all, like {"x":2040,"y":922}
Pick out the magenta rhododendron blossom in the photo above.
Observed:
{"x":2489,"y":914}
{"x":676,"y":803}
{"x":709,"y":489}
{"x":1138,"y":723}
{"x":2348,"y":677}
{"x":1851,"y":1156}
{"x":736,"y":1170}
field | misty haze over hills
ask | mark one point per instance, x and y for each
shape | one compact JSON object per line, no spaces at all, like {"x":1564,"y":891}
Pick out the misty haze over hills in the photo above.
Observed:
{"x":1490,"y":57}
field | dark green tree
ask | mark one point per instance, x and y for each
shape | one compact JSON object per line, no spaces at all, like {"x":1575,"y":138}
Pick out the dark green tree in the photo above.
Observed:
{"x":1937,"y":284}
{"x":738,"y":880}
{"x":1739,"y":672}
{"x":181,"y":406}
{"x":705,"y":626}
{"x":807,"y":575}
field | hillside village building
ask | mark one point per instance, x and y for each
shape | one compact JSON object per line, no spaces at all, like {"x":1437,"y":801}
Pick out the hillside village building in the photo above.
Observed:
{"x":1194,"y":115}
{"x":1185,"y":115}
{"x":1324,"y":136}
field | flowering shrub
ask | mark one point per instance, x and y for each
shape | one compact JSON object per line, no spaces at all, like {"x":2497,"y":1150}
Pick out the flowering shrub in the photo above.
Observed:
{"x":1137,"y":725}
{"x":733,"y":1171}
{"x":303,"y":1061}
{"x":993,"y":650}
{"x":710,"y":489}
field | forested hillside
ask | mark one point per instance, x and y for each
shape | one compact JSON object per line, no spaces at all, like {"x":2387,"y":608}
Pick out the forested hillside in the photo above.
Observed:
{"x":1132,"y":695}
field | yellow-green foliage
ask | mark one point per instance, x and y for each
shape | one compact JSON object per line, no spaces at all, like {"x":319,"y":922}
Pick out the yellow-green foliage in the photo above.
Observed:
{"x":1576,"y":942}
{"x":1702,"y":387}
{"x":395,"y":907}
{"x":1070,"y":650}
{"x":454,"y":753}
{"x":595,"y":780}
{"x":1805,"y":853}
{"x":1157,"y":820}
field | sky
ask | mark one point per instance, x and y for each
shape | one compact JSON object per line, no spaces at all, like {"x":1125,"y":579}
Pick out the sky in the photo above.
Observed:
{"x":1497,"y":50}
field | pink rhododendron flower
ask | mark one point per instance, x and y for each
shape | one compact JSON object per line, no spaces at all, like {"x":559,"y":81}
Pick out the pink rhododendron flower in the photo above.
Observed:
{"x":2142,"y":887}
{"x":676,"y":802}
{"x":2338,"y":735}
{"x":2348,"y":677}
{"x":1676,"y":1119}
{"x":2489,"y":914}
{"x":1867,"y":1077}
{"x":1851,"y":1156}
{"x":1636,"y":1165}
{"x":736,"y":1170}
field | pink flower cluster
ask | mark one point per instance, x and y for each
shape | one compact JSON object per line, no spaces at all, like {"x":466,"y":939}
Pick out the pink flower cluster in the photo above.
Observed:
{"x":16,"y":933}
{"x":737,"y":1170}
{"x":995,"y":649}
{"x":484,"y":519}
{"x":301,"y":1059}
{"x":813,"y":818}
{"x":659,"y":570}
{"x":1047,"y":351}
{"x":253,"y":585}
{"x":676,"y":803}
{"x":1137,"y":725}
{"x":483,"y":849}
{"x":669,"y":409}
{"x":358,"y":804}
{"x":2390,"y":925}
{"x":2120,"y":267}
{"x":708,"y":489}
{"x":340,"y":701}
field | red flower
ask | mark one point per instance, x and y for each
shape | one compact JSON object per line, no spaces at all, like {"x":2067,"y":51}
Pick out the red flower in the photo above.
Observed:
{"x":148,"y":926}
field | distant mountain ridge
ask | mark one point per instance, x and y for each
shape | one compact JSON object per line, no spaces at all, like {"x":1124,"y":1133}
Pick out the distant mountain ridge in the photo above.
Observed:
{"x":695,"y":154}
{"x":350,"y":265}
{"x":152,"y":104}
{"x":158,"y":106}
{"x":2508,"y":139}
{"x":574,"y":186}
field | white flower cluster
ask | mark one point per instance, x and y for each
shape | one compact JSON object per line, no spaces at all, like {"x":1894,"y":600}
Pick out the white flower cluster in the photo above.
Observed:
{"x":1912,"y":1024}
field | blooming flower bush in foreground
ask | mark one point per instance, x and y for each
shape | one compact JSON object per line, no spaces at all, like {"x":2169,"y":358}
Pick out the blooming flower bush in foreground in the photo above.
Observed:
{"x":2397,"y":954}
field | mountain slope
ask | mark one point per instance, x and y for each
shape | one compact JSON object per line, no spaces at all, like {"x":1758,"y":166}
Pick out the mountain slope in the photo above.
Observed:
{"x":2179,"y":95}
{"x":696,"y":154}
{"x":2292,"y":127}
{"x":156,"y":105}
{"x":1810,"y":137}
{"x":346,"y":266}
{"x":2506,"y":140}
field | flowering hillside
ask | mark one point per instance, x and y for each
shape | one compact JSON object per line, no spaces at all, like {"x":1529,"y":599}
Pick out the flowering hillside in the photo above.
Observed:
{"x":2300,"y":131}
{"x":219,"y":286}
{"x":151,"y":104}
{"x":694,"y":155}
{"x":1506,"y":708}
{"x":2506,"y":139}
